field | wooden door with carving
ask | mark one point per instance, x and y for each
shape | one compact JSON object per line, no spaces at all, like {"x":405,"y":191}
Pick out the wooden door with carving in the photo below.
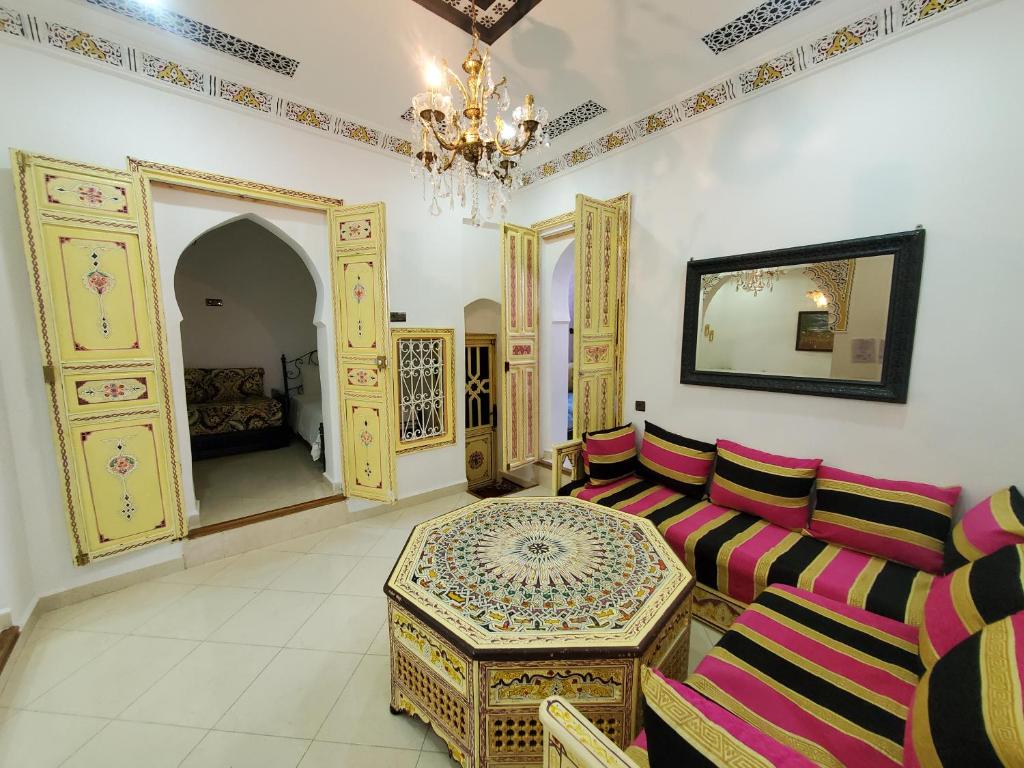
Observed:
{"x":599,"y":315}
{"x":358,"y":244}
{"x":520,"y":269}
{"x":481,"y":410}
{"x":101,"y":330}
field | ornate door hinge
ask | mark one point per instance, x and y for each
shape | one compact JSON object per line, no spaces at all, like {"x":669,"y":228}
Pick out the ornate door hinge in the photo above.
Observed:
{"x":382,"y":362}
{"x":48,"y":374}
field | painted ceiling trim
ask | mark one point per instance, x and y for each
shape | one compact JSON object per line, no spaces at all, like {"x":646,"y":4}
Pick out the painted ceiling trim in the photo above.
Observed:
{"x":84,"y":47}
{"x":575,"y":117}
{"x":203,"y":34}
{"x":753,"y":23}
{"x":889,"y":21}
{"x":493,"y":17}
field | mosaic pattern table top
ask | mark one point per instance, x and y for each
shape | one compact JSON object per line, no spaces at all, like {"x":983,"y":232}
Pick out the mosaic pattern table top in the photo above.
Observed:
{"x":540,"y":573}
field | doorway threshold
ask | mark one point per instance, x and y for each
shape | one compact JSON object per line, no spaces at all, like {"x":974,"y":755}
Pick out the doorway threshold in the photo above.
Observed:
{"x":260,"y":517}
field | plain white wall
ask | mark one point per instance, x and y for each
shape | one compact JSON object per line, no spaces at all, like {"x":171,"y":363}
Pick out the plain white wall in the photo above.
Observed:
{"x":433,"y":263}
{"x":923,"y":131}
{"x":268,"y":300}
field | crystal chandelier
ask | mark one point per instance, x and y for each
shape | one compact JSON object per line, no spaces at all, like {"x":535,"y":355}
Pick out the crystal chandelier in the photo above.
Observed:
{"x":457,"y":153}
{"x":756,"y":280}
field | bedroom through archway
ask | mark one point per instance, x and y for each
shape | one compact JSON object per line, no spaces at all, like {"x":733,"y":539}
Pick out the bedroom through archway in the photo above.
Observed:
{"x":251,"y":369}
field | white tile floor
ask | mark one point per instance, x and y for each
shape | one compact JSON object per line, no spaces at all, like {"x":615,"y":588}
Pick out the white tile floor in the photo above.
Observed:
{"x":230,"y":487}
{"x":272,"y":659}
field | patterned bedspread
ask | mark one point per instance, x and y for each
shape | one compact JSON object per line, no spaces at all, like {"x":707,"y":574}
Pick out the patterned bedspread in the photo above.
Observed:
{"x":238,"y":416}
{"x":740,"y":555}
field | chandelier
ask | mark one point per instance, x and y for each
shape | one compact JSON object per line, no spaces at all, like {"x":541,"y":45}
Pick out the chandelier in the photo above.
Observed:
{"x":756,"y":280}
{"x":457,"y":154}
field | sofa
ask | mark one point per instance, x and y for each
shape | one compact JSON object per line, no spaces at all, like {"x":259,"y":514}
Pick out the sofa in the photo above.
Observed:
{"x":228,"y":412}
{"x":735,"y":555}
{"x":810,"y":673}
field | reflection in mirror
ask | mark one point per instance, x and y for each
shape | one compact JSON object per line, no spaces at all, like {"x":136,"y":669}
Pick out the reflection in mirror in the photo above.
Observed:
{"x":823,"y":320}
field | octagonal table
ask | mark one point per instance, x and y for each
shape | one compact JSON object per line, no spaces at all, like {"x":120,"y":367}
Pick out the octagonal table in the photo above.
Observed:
{"x":498,"y":605}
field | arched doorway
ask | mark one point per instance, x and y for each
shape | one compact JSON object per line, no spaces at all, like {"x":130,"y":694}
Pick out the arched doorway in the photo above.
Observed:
{"x":250,"y":356}
{"x":559,"y":355}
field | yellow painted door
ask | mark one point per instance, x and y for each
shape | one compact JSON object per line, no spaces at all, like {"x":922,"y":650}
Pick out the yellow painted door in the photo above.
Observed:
{"x":520,"y":267}
{"x":599,"y":315}
{"x":358,"y":242}
{"x":481,"y":411}
{"x":98,"y":312}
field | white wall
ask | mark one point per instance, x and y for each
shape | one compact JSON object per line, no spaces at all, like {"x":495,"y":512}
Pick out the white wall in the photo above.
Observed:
{"x":434,"y":263}
{"x":923,"y":131}
{"x":268,"y":300}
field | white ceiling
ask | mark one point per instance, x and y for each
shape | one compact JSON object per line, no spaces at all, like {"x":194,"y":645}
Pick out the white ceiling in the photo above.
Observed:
{"x":362,"y":57}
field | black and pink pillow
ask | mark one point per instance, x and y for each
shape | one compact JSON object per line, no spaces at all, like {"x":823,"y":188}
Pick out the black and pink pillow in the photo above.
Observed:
{"x":674,"y":461}
{"x":610,"y":454}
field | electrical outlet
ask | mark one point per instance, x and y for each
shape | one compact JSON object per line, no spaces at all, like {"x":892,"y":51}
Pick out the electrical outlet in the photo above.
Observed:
{"x":641,"y":406}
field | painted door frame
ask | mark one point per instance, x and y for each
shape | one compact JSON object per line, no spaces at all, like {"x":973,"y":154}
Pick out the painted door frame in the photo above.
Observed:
{"x":139,"y":178}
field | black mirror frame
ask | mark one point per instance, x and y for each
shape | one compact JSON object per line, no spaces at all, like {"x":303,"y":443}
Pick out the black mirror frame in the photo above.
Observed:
{"x":908,"y":250}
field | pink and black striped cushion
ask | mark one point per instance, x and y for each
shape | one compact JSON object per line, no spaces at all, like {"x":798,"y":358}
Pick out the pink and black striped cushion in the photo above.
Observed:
{"x":968,"y":709}
{"x":991,"y":525}
{"x":675,"y":461}
{"x":972,"y":596}
{"x":682,"y":728}
{"x":776,"y":488}
{"x":825,"y":679}
{"x":895,"y":519}
{"x":611,"y":454}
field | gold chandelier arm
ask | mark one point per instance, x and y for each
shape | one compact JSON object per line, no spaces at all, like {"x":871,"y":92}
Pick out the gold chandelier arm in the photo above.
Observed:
{"x":454,"y":79}
{"x":451,"y":160}
{"x":492,"y":93}
{"x":440,"y":139}
{"x":517,"y":149}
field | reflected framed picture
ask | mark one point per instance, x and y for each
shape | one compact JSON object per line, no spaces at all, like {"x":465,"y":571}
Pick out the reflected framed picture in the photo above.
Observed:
{"x":813,"y":332}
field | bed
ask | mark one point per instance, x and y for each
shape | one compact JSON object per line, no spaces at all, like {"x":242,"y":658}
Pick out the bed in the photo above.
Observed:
{"x":305,"y":408}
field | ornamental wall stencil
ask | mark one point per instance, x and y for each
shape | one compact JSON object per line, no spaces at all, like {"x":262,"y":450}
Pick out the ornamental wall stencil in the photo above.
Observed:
{"x":121,"y":465}
{"x":754,"y":22}
{"x":575,"y":117}
{"x":835,"y":280}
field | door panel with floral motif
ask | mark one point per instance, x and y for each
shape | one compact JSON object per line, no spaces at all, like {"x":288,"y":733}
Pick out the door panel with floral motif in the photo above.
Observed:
{"x":598,"y":301}
{"x":100,"y":326}
{"x":358,"y":242}
{"x":520,"y":269}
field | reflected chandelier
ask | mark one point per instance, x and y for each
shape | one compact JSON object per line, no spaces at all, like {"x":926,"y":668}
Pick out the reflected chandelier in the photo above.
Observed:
{"x":457,"y":154}
{"x":756,"y":280}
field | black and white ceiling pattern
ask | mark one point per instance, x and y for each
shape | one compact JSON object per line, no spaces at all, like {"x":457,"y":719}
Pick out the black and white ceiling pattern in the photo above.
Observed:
{"x":204,"y":34}
{"x":574,"y":117}
{"x":754,"y":22}
{"x":493,"y":17}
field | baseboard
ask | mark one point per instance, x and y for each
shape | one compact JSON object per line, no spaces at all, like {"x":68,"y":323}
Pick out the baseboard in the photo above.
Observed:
{"x":74,"y":595}
{"x":259,"y":517}
{"x":418,"y":498}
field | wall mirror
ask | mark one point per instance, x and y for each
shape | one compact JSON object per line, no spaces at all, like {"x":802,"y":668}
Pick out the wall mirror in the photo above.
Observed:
{"x":835,"y":319}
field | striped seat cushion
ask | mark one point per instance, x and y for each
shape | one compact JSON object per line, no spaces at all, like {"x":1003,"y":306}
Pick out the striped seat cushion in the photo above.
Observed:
{"x":898,"y":520}
{"x":969,"y":709}
{"x":776,"y":488}
{"x":991,"y":525}
{"x":675,"y":461}
{"x":682,"y":728}
{"x":739,"y":555}
{"x":972,"y":596}
{"x":611,"y":454}
{"x":827,"y":680}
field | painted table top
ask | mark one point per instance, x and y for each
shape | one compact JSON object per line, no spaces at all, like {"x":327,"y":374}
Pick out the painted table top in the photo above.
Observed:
{"x":540,"y":573}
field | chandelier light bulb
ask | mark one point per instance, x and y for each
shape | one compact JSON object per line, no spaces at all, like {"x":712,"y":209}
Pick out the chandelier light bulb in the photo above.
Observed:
{"x":433,"y":75}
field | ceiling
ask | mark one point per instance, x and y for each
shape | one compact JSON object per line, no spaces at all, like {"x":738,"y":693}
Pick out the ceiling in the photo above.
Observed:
{"x":363,"y":58}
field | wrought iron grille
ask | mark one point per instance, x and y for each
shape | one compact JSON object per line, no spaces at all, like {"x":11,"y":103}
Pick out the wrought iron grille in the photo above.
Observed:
{"x":421,"y":388}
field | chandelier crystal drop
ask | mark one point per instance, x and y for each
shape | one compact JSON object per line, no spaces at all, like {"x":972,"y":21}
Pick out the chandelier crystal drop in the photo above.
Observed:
{"x":756,"y":280}
{"x":457,"y":153}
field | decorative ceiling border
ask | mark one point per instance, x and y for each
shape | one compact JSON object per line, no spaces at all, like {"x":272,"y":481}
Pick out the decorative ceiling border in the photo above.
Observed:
{"x":494,"y":17}
{"x":201,"y":34}
{"x":889,"y":21}
{"x":750,"y":24}
{"x":84,"y":47}
{"x":575,"y":117}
